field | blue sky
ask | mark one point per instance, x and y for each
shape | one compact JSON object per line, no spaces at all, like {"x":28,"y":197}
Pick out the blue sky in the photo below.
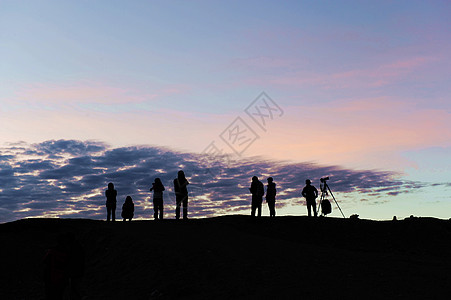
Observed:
{"x":363,"y":85}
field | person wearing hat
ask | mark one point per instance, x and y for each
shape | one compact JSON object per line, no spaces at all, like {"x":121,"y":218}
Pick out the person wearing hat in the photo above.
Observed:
{"x":310,"y":193}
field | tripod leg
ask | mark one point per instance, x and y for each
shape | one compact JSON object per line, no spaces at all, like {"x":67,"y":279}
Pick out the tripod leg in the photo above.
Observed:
{"x":335,"y":201}
{"x":320,"y":200}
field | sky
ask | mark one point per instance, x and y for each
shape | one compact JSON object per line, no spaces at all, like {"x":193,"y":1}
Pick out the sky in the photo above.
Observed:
{"x":126,"y":91}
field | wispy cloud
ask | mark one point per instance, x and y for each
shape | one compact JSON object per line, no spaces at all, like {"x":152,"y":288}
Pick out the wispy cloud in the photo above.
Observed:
{"x":89,"y":94}
{"x":298,"y":73}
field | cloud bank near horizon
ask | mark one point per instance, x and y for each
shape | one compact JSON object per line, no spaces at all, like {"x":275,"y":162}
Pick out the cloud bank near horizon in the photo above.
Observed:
{"x":67,"y":178}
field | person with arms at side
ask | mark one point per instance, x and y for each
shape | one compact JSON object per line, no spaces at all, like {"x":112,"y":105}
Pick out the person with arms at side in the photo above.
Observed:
{"x":257,"y":190}
{"x":111,"y":195}
{"x":157,"y":188}
{"x":271,"y":197}
{"x":310,"y":193}
{"x":181,"y":195}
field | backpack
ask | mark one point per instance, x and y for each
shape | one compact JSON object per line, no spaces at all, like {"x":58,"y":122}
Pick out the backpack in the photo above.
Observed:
{"x":326,"y":208}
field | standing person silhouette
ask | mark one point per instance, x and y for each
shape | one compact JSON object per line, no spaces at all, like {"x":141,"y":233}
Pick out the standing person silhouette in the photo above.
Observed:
{"x":257,"y":190}
{"x":310,"y":193}
{"x":181,"y":195}
{"x":128,"y":209}
{"x":271,"y":197}
{"x":111,"y":194}
{"x":157,"y":188}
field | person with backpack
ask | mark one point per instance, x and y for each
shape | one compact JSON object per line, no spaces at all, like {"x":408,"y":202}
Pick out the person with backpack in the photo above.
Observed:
{"x":128,"y":209}
{"x":157,"y":188}
{"x":257,"y":190}
{"x":111,"y":194}
{"x":181,"y":195}
{"x":271,"y":197}
{"x":310,"y":193}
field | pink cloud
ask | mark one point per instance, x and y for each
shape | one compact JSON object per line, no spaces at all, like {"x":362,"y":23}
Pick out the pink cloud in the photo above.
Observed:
{"x":408,"y":64}
{"x":79,"y":92}
{"x":374,"y":76}
{"x":162,"y":127}
{"x":265,"y":62}
{"x":73,"y":93}
{"x":368,"y":133}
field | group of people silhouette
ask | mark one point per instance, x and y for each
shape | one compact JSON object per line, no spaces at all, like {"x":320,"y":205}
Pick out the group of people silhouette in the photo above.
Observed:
{"x":257,"y":190}
{"x":181,"y":198}
{"x":128,"y":208}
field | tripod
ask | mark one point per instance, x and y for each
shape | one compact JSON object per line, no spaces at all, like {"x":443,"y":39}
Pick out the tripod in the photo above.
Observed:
{"x":324,"y":190}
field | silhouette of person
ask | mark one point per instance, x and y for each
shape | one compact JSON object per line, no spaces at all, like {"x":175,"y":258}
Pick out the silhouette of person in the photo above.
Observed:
{"x":157,"y":188}
{"x":111,"y":194}
{"x":271,"y":197}
{"x":181,"y":195}
{"x":56,"y":269}
{"x":128,"y":209}
{"x":310,"y":193}
{"x":257,"y":190}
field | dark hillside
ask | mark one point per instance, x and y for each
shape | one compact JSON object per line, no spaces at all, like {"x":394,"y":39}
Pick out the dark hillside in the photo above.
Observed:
{"x":238,"y":257}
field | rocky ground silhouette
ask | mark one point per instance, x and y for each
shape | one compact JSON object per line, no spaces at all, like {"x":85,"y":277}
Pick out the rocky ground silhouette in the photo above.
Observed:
{"x":238,"y":257}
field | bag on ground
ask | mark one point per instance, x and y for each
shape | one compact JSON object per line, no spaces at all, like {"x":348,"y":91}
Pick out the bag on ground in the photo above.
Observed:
{"x":326,"y":208}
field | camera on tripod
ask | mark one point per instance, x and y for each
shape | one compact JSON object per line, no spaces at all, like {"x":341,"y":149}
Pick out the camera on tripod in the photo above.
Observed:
{"x":324,"y":204}
{"x":324,"y":179}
